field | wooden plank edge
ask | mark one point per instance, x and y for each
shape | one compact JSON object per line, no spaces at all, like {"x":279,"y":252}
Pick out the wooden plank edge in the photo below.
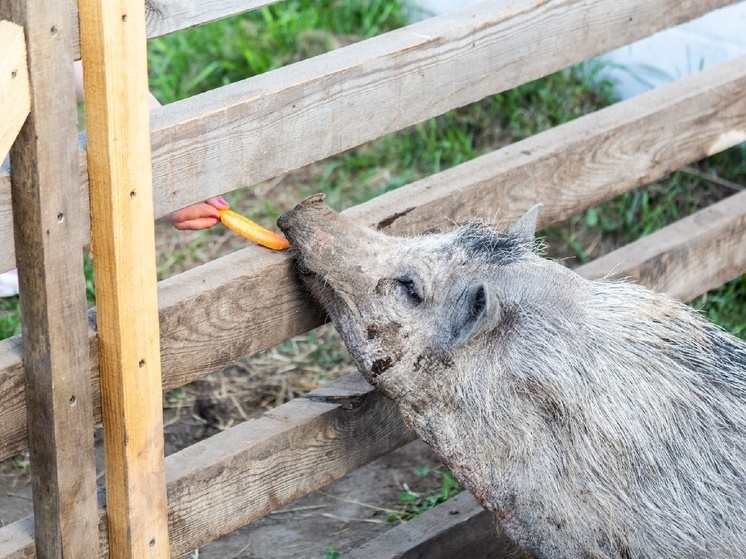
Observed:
{"x":261,"y":465}
{"x":674,"y":259}
{"x":187,"y":171}
{"x":460,"y":527}
{"x":15,"y":95}
{"x":274,"y":123}
{"x":163,"y":16}
{"x":218,"y":306}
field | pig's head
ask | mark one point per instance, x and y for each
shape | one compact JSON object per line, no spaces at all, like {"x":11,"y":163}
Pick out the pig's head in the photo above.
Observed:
{"x":408,"y":308}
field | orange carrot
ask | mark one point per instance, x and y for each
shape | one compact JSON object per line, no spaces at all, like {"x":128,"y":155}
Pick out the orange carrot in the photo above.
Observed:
{"x":252,"y":231}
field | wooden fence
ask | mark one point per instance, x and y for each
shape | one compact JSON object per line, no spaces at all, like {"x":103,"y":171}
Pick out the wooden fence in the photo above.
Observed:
{"x":212,"y":316}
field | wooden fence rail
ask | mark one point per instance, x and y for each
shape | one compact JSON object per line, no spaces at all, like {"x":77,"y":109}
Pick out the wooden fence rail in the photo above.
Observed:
{"x":276,"y":122}
{"x":211,"y":316}
{"x":226,"y":302}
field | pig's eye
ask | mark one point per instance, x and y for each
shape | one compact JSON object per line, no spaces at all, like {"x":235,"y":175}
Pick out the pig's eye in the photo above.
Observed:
{"x":408,"y":287}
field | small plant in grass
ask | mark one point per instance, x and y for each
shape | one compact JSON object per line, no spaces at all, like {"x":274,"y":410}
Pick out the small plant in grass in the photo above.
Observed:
{"x":331,"y":553}
{"x":415,"y":503}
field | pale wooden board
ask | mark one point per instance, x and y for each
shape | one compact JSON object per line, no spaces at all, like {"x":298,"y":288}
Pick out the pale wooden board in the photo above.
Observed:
{"x":259,"y":128}
{"x":49,"y":236}
{"x":459,"y":527}
{"x":15,"y":100}
{"x":263,"y":464}
{"x":167,"y":16}
{"x":225,"y":303}
{"x":123,"y":242}
{"x":687,"y":270}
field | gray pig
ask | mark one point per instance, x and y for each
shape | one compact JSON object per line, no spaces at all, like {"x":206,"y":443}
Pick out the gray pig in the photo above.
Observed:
{"x":594,"y":419}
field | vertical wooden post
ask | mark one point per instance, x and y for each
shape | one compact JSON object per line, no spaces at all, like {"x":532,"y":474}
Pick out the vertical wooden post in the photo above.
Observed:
{"x":113,"y":47}
{"x":48,"y":229}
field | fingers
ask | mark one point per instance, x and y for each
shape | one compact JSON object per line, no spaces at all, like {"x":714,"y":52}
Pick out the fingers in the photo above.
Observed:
{"x":192,"y":218}
{"x":218,"y":203}
{"x":199,"y":216}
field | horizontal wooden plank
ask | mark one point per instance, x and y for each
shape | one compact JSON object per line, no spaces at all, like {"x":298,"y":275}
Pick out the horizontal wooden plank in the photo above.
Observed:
{"x":15,"y":100}
{"x":264,"y":126}
{"x":166,"y":16}
{"x":253,"y":130}
{"x":459,"y":527}
{"x":687,"y":270}
{"x":250,"y":300}
{"x":262,"y":464}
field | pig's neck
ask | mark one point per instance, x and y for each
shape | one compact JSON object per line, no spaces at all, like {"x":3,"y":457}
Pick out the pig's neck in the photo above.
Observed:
{"x":455,"y":427}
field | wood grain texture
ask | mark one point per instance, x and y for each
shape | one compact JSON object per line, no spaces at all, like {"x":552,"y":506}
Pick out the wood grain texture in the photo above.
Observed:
{"x":164,"y":16}
{"x":123,"y":246}
{"x":49,"y":239}
{"x":676,"y":259}
{"x":15,"y":96}
{"x":264,"y":126}
{"x":168,"y":16}
{"x":253,"y":130}
{"x":459,"y":527}
{"x":240,"y":304}
{"x":263,"y":464}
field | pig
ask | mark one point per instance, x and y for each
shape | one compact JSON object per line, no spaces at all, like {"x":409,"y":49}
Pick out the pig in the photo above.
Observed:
{"x":593,"y":419}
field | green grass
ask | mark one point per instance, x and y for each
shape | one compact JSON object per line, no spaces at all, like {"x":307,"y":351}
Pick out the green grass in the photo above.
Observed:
{"x":10,"y":317}
{"x":415,"y":504}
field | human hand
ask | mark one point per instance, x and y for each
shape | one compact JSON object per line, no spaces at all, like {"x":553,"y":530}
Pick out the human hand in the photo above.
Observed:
{"x":199,"y":216}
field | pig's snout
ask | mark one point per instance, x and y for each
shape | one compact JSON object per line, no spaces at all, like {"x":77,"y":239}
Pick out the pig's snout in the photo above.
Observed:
{"x":298,"y":220}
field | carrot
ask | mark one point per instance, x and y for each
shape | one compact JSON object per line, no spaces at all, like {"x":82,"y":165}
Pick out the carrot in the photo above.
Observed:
{"x":252,"y":231}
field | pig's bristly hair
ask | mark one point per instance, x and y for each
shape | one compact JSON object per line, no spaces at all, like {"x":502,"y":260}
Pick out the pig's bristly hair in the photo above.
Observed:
{"x":480,"y":240}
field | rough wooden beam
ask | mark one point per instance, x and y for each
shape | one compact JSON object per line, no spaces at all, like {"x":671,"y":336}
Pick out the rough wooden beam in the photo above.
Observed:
{"x":49,"y":241}
{"x":123,"y":241}
{"x":263,"y":464}
{"x":164,"y":16}
{"x":459,"y":527}
{"x":683,"y":259}
{"x":167,"y":16}
{"x":253,"y":130}
{"x":259,"y":128}
{"x":15,"y":97}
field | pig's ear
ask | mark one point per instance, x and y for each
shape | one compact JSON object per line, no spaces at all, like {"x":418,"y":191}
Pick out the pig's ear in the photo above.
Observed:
{"x":473,"y":307}
{"x":526,"y":226}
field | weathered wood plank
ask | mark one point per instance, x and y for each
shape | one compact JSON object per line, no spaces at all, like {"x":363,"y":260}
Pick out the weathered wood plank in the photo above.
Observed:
{"x":123,"y":241}
{"x":263,"y":464}
{"x":49,"y":239}
{"x":15,"y":97}
{"x":678,"y":259}
{"x":167,"y":16}
{"x":164,"y":16}
{"x":259,"y":128}
{"x":211,"y":316}
{"x":459,"y":527}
